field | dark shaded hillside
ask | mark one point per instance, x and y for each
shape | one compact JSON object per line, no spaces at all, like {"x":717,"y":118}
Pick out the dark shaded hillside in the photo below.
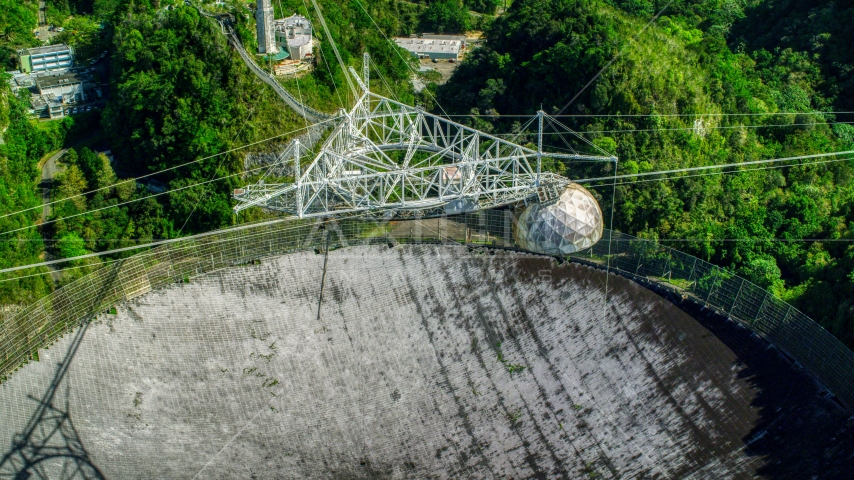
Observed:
{"x":685,"y":93}
{"x":818,"y":29}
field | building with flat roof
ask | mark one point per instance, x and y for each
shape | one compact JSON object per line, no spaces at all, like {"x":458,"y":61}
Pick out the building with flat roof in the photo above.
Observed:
{"x":67,"y":87}
{"x":461,"y":38}
{"x":434,"y":48}
{"x":43,"y":59}
{"x":21,"y":80}
{"x":293,"y":34}
{"x":47,"y":106}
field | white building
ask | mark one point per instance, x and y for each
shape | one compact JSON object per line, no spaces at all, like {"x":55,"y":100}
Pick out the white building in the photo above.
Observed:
{"x":47,"y":106}
{"x":294,"y":35}
{"x":67,"y":87}
{"x":264,"y":26}
{"x":21,"y":80}
{"x":434,"y":48}
{"x":43,"y":59}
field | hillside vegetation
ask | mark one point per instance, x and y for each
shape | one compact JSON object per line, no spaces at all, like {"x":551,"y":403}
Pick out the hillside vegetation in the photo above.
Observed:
{"x":709,"y":82}
{"x":23,"y":145}
{"x":19,"y":19}
{"x":178,"y":94}
{"x":727,"y":65}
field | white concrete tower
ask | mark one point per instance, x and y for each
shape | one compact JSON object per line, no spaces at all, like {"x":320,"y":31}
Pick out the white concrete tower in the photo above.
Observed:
{"x":264,"y":24}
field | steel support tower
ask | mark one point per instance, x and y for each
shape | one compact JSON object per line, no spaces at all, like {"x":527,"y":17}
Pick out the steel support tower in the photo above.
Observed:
{"x":397,"y":161}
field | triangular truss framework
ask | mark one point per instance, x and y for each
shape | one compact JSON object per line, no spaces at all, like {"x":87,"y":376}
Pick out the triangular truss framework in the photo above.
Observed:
{"x":394,"y":160}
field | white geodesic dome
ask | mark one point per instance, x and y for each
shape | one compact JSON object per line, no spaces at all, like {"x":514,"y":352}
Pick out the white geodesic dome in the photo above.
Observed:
{"x":571,"y":224}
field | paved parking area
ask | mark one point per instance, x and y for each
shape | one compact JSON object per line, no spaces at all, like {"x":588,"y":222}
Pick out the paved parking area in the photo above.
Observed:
{"x":444,"y":67}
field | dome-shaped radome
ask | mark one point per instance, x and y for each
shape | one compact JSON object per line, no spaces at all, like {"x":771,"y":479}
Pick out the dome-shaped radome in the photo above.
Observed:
{"x":571,"y":224}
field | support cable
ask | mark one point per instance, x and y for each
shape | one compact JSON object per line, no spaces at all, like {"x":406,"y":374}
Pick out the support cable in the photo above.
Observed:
{"x":711,"y":167}
{"x":522,"y":129}
{"x":588,"y":142}
{"x":147,"y":245}
{"x":213,"y":175}
{"x":165,"y":242}
{"x":335,"y":50}
{"x":134,"y":179}
{"x":676,"y":129}
{"x":299,"y":92}
{"x":323,"y":276}
{"x":382,"y":78}
{"x":133,"y":201}
{"x":642,"y":115}
{"x":561,"y":137}
{"x":326,"y":63}
{"x":610,"y":238}
{"x":680,"y":177}
{"x":616,"y":57}
{"x":396,"y":50}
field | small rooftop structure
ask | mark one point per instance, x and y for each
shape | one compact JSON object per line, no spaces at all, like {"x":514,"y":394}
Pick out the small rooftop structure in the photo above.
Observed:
{"x":297,"y":22}
{"x":439,"y":49}
{"x":41,"y":59}
{"x":49,"y":49}
{"x":65,"y":78}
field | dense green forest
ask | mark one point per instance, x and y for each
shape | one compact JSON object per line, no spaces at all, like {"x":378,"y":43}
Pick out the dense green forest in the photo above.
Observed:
{"x":17,"y":22}
{"x":737,"y":68}
{"x":23,"y":144}
{"x":709,"y":82}
{"x":179,"y":94}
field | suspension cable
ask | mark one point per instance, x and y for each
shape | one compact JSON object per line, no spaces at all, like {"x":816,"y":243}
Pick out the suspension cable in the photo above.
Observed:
{"x":720,"y":127}
{"x":132,"y":201}
{"x":711,"y":167}
{"x":335,"y":50}
{"x":641,"y":115}
{"x":396,"y":50}
{"x":617,"y":56}
{"x":161,"y":171}
{"x":707,"y":174}
{"x":329,"y":70}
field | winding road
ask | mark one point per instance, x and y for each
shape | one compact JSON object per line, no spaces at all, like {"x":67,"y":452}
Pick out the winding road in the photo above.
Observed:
{"x":49,"y":170}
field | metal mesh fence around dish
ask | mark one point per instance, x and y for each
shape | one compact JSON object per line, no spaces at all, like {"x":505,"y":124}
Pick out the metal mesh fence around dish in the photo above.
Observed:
{"x":36,"y":326}
{"x":788,"y":329}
